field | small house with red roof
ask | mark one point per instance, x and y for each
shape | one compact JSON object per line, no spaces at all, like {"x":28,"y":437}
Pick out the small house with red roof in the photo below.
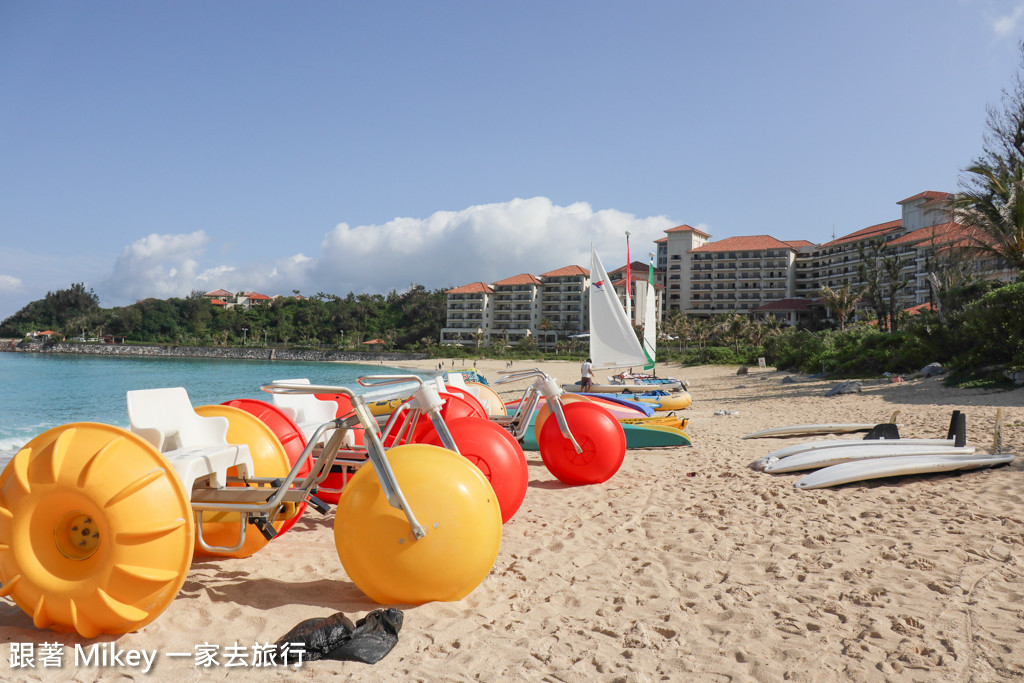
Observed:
{"x":225,"y":299}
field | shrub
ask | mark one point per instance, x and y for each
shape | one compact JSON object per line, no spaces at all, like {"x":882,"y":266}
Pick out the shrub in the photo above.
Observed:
{"x":991,"y":335}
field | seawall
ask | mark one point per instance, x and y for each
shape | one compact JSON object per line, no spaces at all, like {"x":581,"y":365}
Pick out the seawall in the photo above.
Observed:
{"x":244,"y":353}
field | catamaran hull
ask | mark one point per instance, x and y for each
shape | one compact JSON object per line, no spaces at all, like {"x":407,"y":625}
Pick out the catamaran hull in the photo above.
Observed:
{"x":673,"y":385}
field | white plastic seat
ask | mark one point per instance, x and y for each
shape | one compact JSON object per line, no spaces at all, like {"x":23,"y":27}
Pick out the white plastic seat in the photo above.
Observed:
{"x":456,"y":380}
{"x":306,"y":410}
{"x":195,"y":446}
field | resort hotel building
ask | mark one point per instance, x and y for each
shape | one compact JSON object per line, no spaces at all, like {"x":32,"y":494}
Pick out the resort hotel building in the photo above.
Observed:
{"x":752,"y":275}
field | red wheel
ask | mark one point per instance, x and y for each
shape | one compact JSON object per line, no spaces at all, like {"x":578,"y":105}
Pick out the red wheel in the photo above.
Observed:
{"x":286,"y":431}
{"x":496,"y":454}
{"x":544,"y":412}
{"x":338,"y":480}
{"x":466,"y":396}
{"x":269,"y":460}
{"x":597,"y":432}
{"x":454,"y":407}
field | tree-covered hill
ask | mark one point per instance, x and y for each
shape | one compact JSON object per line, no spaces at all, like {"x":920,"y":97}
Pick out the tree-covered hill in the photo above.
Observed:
{"x":407,"y":320}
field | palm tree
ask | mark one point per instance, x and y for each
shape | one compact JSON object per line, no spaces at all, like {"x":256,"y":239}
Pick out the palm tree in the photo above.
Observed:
{"x":993,"y":207}
{"x":734,"y":327}
{"x":842,"y":302}
{"x":701,"y":330}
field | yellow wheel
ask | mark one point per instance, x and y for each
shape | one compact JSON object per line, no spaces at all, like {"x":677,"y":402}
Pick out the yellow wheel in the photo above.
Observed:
{"x":269,"y":460}
{"x":453,"y":502}
{"x":96,"y":530}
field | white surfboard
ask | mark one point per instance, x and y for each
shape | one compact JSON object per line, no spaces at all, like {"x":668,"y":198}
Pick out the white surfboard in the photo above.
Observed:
{"x":808,"y":430}
{"x":827,"y":457}
{"x":861,"y":470}
{"x":796,"y":448}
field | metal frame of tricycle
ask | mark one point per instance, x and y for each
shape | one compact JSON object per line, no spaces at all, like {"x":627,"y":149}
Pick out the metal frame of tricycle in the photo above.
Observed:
{"x":261,"y":500}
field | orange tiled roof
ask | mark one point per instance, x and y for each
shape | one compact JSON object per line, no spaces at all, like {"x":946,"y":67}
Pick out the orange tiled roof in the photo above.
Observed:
{"x":867,"y":233}
{"x":473,"y":288}
{"x":257,"y":296}
{"x":687,"y":228}
{"x":799,"y":243}
{"x":930,"y":194}
{"x":661,"y":241}
{"x":938,"y":200}
{"x":568,"y":270}
{"x":218,"y":302}
{"x":915,"y":310}
{"x":745,"y":243}
{"x":944,"y":233}
{"x":634,"y":267}
{"x":523,"y":279}
{"x":621,"y":282}
{"x":786,"y":305}
{"x":219,"y":293}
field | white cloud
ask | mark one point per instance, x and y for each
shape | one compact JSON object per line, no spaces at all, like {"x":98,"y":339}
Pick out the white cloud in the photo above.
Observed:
{"x":1007,"y":25}
{"x":487,"y":242}
{"x":9,"y":283}
{"x":160,"y":266}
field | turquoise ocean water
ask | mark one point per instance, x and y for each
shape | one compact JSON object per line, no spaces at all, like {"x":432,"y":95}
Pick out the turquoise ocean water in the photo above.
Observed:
{"x":40,"y":391}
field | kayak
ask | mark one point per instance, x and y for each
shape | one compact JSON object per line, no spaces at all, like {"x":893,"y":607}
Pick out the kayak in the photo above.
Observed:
{"x":679,"y":401}
{"x":637,"y":436}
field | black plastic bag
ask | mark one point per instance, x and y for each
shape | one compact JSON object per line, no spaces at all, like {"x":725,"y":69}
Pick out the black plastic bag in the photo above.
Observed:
{"x":369,"y":640}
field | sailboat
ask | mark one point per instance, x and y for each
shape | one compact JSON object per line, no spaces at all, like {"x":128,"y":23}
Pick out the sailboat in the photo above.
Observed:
{"x":613,"y":344}
{"x":650,"y":315}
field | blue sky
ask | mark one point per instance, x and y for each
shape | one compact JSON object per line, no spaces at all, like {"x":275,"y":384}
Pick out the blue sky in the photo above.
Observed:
{"x":156,"y":148}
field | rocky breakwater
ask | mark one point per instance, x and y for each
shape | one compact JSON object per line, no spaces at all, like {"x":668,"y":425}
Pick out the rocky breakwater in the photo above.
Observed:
{"x":244,"y":353}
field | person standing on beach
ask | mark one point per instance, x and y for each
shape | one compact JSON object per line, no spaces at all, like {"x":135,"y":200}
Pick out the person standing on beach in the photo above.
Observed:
{"x":586,"y":376}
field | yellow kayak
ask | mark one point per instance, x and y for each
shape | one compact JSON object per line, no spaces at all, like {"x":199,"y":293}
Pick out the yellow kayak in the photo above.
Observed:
{"x":678,"y":401}
{"x":658,"y":421}
{"x":385,"y":407}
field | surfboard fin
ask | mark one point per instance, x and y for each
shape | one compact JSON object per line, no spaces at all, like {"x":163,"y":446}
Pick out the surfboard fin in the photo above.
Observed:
{"x":958,"y":429}
{"x":997,"y":440}
{"x":886,"y":431}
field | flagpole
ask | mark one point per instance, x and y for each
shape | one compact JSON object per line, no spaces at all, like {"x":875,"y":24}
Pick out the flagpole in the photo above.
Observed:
{"x":629,"y":284}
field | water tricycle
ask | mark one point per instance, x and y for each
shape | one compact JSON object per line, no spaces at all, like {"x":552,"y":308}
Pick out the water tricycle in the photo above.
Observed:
{"x":584,"y":444}
{"x":98,"y":525}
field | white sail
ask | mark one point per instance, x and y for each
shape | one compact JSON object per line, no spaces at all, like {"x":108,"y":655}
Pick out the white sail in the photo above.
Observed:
{"x":613,"y":344}
{"x":650,"y":319}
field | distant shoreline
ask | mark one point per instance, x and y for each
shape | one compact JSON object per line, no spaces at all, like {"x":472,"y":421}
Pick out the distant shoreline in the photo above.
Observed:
{"x":229,"y":352}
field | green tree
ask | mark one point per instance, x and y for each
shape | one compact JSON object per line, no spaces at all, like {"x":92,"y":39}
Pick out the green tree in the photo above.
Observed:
{"x":883,"y":278}
{"x":54,"y":311}
{"x":1003,"y":138}
{"x":993,"y":208}
{"x":991,"y":200}
{"x":734,"y":328}
{"x":896,"y":279}
{"x":841,"y":302}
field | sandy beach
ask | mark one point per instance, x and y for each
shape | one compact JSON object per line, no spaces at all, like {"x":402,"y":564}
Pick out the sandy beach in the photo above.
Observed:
{"x":686,"y":565}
